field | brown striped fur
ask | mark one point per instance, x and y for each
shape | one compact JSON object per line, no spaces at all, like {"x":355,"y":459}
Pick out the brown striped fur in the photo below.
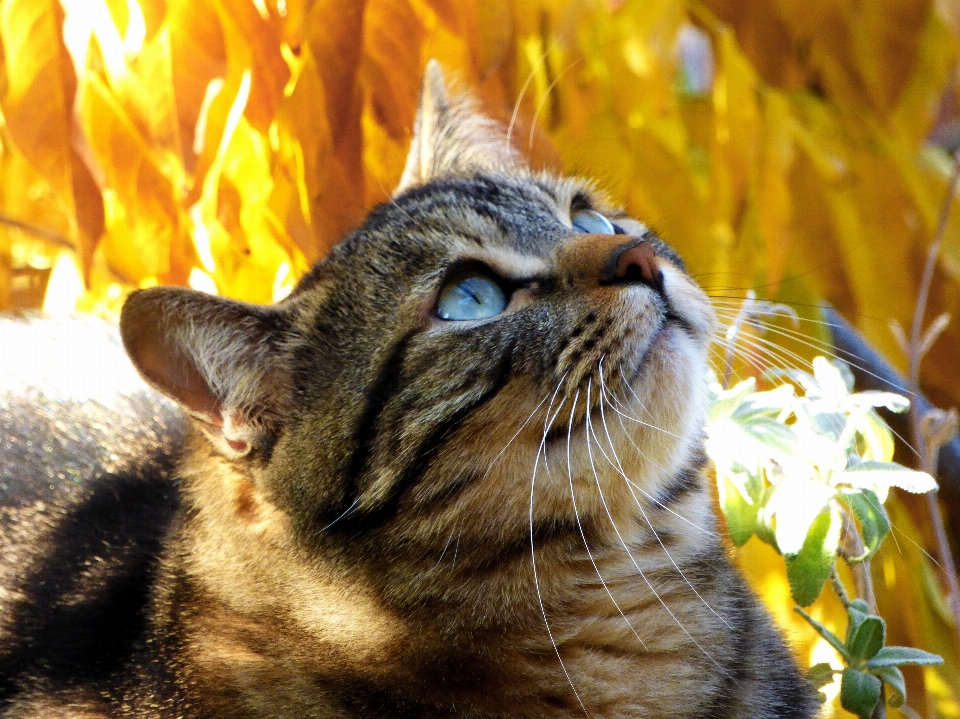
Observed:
{"x":380,"y":513}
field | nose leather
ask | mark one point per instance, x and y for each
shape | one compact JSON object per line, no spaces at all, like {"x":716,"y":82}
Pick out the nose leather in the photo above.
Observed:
{"x":633,"y":262}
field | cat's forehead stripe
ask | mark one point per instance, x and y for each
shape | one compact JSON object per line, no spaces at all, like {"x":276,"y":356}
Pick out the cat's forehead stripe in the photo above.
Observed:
{"x":513,"y":209}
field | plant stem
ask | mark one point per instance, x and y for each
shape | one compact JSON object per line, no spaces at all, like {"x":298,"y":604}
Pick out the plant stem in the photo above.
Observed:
{"x":840,"y":590}
{"x":928,"y":456}
{"x":852,"y":546}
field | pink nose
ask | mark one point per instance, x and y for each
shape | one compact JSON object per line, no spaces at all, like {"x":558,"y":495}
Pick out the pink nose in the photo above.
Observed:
{"x":640,"y":258}
{"x":635,"y":262}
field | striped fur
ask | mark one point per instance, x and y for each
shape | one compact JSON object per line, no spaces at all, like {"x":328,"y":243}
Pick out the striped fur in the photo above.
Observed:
{"x":382,"y":513}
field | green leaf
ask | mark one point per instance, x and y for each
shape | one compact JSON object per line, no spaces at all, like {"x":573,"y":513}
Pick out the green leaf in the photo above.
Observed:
{"x":832,"y":639}
{"x":898,"y":656}
{"x":765,"y":519}
{"x":820,"y":674}
{"x":834,"y":378}
{"x":873,"y":519}
{"x":811,"y":567}
{"x":768,"y":404}
{"x":857,"y":612}
{"x":859,"y":692}
{"x":867,"y":639}
{"x":826,"y":420}
{"x":817,"y":432}
{"x":741,"y":515}
{"x":874,"y":398}
{"x":871,"y":474}
{"x":797,"y":503}
{"x":773,"y":435}
{"x":893,"y":678}
{"x":726,"y":401}
{"x":804,"y":379}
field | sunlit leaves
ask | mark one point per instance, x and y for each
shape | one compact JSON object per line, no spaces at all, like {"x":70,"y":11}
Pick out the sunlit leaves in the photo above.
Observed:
{"x":810,"y":565}
{"x":789,"y":464}
{"x":37,"y":103}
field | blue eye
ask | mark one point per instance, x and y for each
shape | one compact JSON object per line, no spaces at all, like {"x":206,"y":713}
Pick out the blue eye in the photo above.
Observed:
{"x":593,"y":223}
{"x":472,"y":295}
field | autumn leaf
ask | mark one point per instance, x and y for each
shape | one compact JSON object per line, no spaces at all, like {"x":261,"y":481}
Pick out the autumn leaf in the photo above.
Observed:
{"x":37,"y":105}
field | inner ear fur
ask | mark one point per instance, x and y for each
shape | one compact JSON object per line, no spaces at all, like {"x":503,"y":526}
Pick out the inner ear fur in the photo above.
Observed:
{"x":451,"y":137}
{"x":221,"y":359}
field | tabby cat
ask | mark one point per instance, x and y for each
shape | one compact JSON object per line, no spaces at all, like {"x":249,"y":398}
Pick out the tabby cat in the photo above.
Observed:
{"x":457,"y":473}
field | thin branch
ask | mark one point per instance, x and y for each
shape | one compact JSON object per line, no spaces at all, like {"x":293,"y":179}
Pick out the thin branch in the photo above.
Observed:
{"x":928,"y":455}
{"x":916,"y":330}
{"x":45,"y":233}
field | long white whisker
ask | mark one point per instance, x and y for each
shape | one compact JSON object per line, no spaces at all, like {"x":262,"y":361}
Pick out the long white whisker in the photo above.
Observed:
{"x":523,"y":91}
{"x":517,"y":433}
{"x":545,"y":98}
{"x":800,"y":338}
{"x":576,"y":512}
{"x":619,"y":467}
{"x":533,"y":554}
{"x":605,"y":392}
{"x":754,"y":352}
{"x":626,"y":383}
{"x":345,"y":513}
{"x":640,"y":421}
{"x":623,"y":543}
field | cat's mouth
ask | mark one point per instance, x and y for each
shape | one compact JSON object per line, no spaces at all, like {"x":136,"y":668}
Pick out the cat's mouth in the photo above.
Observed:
{"x":600,"y":387}
{"x":671,"y":317}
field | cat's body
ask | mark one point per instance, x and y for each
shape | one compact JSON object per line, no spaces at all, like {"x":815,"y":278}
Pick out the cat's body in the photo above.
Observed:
{"x":396,"y":509}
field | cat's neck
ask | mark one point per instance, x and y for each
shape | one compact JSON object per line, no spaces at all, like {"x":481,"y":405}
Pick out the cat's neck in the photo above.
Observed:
{"x":397,"y":623}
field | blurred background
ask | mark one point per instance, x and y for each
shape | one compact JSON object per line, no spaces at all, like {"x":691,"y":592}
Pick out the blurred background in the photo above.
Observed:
{"x":799,"y":149}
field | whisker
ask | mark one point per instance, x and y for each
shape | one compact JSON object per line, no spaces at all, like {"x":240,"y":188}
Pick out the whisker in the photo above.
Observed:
{"x":345,"y":513}
{"x":583,"y":536}
{"x":533,"y":554}
{"x":546,"y":97}
{"x":619,"y":467}
{"x":821,"y":346}
{"x":522,"y":426}
{"x":759,"y":348}
{"x":623,"y":543}
{"x":778,"y":362}
{"x":645,"y":493}
{"x":523,"y":91}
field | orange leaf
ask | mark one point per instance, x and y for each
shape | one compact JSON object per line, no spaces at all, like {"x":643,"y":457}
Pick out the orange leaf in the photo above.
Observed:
{"x":158,"y":246}
{"x":37,"y":106}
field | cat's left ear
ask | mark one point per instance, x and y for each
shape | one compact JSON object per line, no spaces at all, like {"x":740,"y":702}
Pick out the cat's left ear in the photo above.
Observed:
{"x":222,"y":360}
{"x":450,"y":137}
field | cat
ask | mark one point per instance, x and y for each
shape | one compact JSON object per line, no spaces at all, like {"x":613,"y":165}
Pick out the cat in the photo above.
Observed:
{"x":458,"y":472}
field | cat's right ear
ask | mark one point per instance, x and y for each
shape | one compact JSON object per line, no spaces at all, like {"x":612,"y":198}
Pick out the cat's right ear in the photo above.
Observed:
{"x":222,"y":360}
{"x":450,"y":136}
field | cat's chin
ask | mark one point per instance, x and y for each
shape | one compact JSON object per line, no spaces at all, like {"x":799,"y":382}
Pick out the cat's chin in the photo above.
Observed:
{"x":662,"y":425}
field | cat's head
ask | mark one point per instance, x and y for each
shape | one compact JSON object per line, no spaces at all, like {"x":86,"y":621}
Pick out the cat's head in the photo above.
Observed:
{"x":494,"y":350}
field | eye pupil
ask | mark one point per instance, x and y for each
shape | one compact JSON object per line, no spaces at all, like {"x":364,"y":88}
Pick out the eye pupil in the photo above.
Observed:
{"x":593,"y":223}
{"x":473,"y":295}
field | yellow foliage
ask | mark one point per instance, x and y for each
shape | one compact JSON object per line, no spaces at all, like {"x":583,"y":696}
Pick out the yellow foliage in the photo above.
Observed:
{"x":227,"y":144}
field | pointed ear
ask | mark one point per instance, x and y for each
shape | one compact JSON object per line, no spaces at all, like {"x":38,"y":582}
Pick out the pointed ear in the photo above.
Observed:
{"x":451,"y":137}
{"x":222,"y":360}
